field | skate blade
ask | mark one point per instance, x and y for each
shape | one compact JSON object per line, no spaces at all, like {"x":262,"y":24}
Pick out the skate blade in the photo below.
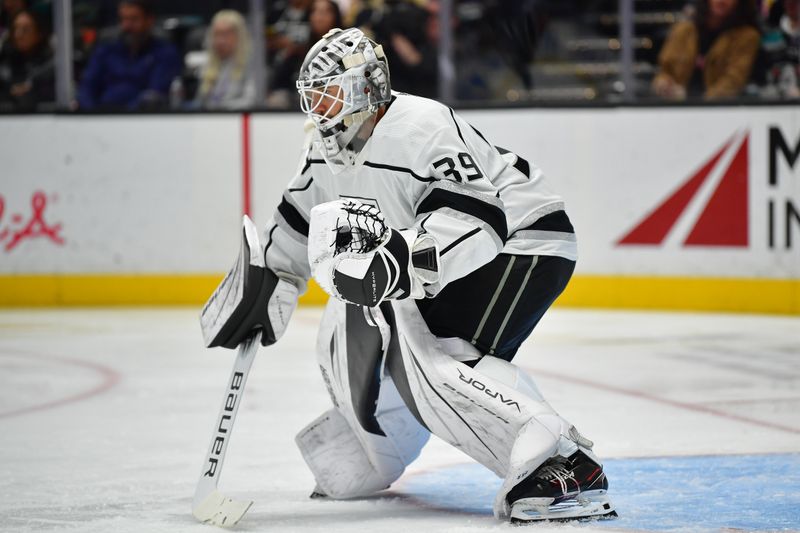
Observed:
{"x":592,"y":505}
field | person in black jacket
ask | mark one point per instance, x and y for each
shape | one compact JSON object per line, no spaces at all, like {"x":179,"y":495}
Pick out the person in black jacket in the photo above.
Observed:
{"x":26,"y":64}
{"x":8,"y":10}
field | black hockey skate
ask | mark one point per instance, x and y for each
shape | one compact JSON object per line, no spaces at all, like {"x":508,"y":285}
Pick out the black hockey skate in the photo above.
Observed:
{"x":562,"y":489}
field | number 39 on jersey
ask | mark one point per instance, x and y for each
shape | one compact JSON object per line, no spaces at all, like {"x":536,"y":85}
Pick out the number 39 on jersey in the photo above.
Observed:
{"x":466,"y":167}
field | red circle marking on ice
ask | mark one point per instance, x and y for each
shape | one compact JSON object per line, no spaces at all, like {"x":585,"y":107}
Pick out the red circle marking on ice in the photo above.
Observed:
{"x":109,"y":378}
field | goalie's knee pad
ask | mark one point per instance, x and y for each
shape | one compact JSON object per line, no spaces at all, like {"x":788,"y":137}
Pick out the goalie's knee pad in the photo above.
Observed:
{"x":348,"y":462}
{"x":341,"y":466}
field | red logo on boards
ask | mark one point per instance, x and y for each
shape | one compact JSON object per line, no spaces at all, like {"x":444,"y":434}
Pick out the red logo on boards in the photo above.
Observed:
{"x":723,"y":220}
{"x":21,"y":229}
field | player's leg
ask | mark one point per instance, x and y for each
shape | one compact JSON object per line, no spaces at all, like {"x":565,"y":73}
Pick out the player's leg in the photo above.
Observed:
{"x":497,"y":307}
{"x":492,"y":412}
{"x":366,"y":440}
{"x":570,"y":484}
{"x":493,"y":310}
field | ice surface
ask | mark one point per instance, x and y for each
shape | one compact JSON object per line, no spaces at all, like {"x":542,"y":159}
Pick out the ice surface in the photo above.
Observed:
{"x":700,"y":494}
{"x":105,"y":416}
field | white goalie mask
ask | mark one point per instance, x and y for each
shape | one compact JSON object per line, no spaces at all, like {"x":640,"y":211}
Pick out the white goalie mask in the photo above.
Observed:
{"x":343,"y":81}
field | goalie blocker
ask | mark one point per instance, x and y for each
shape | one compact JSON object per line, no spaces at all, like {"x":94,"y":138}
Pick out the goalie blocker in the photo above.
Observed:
{"x":251,"y":297}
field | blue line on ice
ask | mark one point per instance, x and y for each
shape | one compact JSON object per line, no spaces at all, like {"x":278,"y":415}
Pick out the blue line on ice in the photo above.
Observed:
{"x":674,"y":494}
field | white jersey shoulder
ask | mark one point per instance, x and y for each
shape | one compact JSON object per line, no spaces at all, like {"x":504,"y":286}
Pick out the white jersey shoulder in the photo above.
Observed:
{"x":437,"y":142}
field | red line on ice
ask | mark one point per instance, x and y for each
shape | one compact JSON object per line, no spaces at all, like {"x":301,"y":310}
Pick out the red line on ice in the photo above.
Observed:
{"x":109,"y":379}
{"x":664,"y":401}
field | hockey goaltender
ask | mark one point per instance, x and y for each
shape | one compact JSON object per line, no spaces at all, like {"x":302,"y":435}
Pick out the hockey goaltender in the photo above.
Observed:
{"x":441,"y":252}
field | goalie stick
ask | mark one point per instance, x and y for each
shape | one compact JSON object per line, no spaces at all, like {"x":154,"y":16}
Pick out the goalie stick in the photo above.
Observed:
{"x":209,"y":505}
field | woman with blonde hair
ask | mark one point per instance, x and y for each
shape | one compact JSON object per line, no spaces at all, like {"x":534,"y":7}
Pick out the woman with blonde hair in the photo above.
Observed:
{"x":227,"y":79}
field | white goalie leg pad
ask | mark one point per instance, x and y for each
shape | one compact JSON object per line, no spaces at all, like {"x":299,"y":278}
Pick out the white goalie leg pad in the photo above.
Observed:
{"x":374,"y":461}
{"x":510,"y":374}
{"x":337,"y":459}
{"x":543,"y":428}
{"x":471,"y":410}
{"x":494,"y":412}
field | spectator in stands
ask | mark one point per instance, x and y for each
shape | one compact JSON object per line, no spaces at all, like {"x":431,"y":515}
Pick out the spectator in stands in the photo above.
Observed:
{"x":134,"y":71}
{"x":410,"y":36}
{"x":323,"y":16}
{"x":227,"y":80}
{"x":344,"y":7}
{"x":26,"y":64}
{"x":781,"y":45}
{"x":711,"y":56}
{"x":290,"y":31}
{"x":410,"y":33}
{"x":364,"y":14}
{"x":8,"y":10}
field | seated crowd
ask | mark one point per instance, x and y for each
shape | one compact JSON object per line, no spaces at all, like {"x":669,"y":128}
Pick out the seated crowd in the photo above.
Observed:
{"x":716,"y":52}
{"x":130,"y":57}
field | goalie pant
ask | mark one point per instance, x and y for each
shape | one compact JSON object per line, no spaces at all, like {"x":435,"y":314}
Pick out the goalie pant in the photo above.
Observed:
{"x":392,"y":384}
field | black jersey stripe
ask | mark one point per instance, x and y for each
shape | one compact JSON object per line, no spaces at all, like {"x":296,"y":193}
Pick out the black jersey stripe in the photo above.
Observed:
{"x":310,"y":162}
{"x":555,"y":221}
{"x":424,"y":220}
{"x":480,"y":134}
{"x":293,"y":217}
{"x":459,"y":241}
{"x":269,"y":239}
{"x":523,"y":166}
{"x":491,"y":214}
{"x":520,"y":164}
{"x":464,"y":142}
{"x":382,"y":166}
{"x":304,"y":187}
{"x":458,"y":129}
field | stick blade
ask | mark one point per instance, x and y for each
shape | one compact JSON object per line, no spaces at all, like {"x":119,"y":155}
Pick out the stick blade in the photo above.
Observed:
{"x":219,"y":510}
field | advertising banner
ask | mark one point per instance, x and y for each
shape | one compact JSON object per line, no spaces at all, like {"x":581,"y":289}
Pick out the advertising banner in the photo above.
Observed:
{"x":703,"y":201}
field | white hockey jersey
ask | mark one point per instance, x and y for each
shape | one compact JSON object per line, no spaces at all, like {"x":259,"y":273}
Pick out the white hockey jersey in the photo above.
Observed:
{"x":426,"y":167}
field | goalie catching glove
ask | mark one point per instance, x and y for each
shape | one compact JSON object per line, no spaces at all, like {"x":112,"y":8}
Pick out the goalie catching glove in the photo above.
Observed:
{"x":356,"y":257}
{"x":250,"y":297}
